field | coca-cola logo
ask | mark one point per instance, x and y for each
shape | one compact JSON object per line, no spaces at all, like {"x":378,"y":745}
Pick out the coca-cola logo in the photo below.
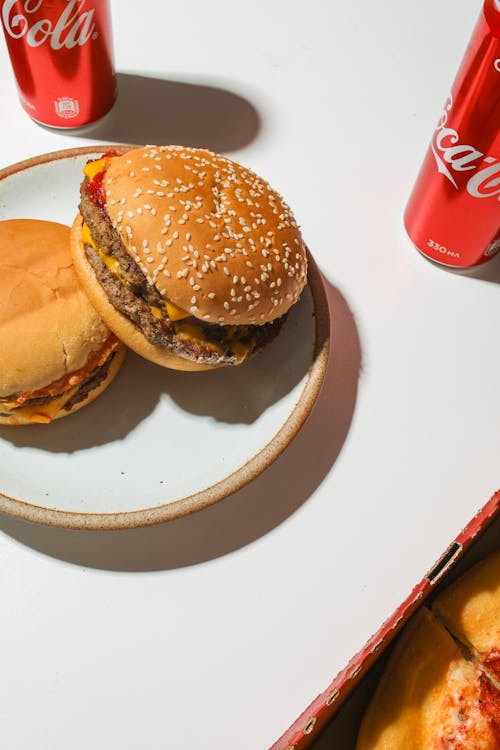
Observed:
{"x":453,"y":158}
{"x":74,"y":27}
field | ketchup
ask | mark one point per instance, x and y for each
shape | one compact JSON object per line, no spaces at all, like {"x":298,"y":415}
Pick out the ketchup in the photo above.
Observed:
{"x":95,"y":188}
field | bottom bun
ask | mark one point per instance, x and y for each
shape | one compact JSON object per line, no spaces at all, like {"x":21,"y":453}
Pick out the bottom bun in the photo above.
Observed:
{"x":121,"y":326}
{"x":114,"y":366}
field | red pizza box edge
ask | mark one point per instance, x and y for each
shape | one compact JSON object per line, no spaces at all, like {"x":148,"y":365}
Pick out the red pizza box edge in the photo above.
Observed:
{"x":305,"y":729}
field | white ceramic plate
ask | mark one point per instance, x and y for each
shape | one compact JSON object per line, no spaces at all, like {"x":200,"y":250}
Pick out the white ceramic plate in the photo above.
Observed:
{"x":157,"y":444}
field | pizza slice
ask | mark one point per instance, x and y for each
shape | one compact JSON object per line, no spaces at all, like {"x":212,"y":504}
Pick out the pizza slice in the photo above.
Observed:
{"x":430,"y":697}
{"x":470,"y":609}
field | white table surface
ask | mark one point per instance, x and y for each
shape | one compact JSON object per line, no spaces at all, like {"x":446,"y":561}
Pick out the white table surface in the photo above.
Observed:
{"x":217,"y":630}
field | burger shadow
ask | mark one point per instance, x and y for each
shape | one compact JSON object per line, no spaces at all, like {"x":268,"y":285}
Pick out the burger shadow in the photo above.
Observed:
{"x":230,"y":395}
{"x":156,"y":110}
{"x":246,"y":515}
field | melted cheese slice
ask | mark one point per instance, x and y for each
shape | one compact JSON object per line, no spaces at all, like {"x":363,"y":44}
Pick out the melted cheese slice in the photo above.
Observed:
{"x":40,"y":413}
{"x":175,"y":312}
{"x":94,"y":167}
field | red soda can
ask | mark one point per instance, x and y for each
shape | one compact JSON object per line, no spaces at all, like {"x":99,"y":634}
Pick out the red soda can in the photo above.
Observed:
{"x":62,"y":59}
{"x":453,"y":215}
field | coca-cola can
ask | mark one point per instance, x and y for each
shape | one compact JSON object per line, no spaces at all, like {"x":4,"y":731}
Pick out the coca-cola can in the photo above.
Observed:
{"x":453,"y":215}
{"x":61,"y":53}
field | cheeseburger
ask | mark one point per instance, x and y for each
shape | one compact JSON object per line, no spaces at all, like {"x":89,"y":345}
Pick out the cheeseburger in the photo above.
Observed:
{"x":56,"y":354}
{"x":191,"y":259}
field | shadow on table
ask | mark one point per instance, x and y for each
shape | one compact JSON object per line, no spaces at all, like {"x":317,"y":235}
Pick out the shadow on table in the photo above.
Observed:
{"x":489,"y":271}
{"x":225,"y":395}
{"x":248,"y":514}
{"x":157,"y":111}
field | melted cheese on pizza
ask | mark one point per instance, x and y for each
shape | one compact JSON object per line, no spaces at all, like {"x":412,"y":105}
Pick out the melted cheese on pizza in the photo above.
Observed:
{"x":461,"y":721}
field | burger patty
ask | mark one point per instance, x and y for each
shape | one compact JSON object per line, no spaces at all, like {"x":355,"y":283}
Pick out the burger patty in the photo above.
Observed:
{"x":92,"y":381}
{"x":134,"y":297}
{"x":108,"y":239}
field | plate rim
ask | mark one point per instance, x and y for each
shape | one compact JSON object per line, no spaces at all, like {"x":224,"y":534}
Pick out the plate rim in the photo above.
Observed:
{"x":234,"y":481}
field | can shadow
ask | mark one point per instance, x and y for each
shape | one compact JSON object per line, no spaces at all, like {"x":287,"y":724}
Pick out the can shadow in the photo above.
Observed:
{"x":489,"y":271}
{"x":159,"y":111}
{"x":248,"y":514}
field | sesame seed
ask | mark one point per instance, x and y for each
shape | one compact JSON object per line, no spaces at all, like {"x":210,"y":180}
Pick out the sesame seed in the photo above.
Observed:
{"x":168,"y":242}
{"x":211,"y":295}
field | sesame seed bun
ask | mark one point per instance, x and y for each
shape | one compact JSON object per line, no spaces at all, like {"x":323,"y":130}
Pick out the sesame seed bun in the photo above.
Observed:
{"x":209,"y":234}
{"x":183,"y":229}
{"x":49,"y":328}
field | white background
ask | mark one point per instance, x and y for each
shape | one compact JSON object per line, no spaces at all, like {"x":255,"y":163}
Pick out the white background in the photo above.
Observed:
{"x":218,"y":630}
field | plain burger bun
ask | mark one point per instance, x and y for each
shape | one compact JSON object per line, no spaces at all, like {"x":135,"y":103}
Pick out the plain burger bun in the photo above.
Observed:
{"x":50,"y":331}
{"x":209,"y":236}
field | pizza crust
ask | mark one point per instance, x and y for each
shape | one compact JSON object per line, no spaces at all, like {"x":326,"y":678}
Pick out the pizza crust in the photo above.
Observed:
{"x":429,"y":697}
{"x":470,"y":609}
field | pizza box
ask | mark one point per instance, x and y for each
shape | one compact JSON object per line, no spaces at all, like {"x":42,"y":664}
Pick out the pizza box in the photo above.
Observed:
{"x":332,"y":720}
